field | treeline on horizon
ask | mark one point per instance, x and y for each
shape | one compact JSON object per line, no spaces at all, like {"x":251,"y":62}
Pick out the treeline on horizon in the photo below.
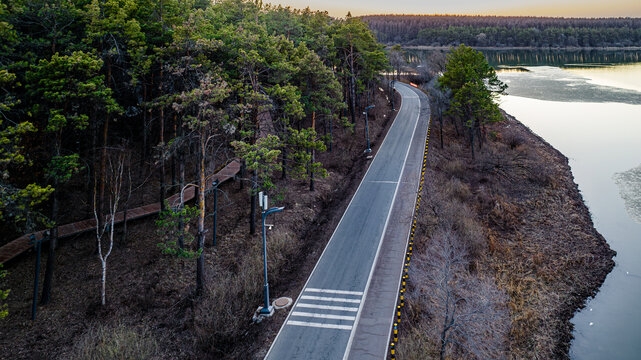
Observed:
{"x":505,"y":31}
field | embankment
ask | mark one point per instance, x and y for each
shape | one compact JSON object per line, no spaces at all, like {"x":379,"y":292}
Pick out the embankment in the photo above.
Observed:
{"x":527,"y":233}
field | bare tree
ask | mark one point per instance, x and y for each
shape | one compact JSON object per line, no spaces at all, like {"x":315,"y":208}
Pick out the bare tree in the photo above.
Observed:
{"x":469,"y":317}
{"x":440,"y":101}
{"x":396,"y":57}
{"x":105,"y":233}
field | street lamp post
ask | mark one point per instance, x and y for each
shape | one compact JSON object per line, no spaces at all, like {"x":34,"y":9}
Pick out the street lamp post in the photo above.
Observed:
{"x":262,"y":199}
{"x":368,"y":150}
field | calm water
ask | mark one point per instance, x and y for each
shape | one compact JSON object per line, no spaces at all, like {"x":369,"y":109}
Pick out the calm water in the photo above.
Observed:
{"x":592,"y":114}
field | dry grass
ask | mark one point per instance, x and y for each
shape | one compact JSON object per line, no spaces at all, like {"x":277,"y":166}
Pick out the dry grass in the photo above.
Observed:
{"x":236,"y":294}
{"x":119,"y":341}
{"x":519,"y":213}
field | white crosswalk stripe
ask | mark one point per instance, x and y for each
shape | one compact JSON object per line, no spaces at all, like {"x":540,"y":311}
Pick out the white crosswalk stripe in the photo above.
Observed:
{"x":339,"y":313}
{"x":332,"y":299}
{"x":328,"y":307}
{"x":330,"y":291}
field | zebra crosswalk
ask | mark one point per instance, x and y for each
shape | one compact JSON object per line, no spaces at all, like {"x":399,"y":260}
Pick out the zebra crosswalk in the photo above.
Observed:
{"x":326,"y":308}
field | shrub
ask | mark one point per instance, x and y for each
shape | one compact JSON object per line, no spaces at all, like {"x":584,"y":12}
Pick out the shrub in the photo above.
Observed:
{"x":513,"y":138}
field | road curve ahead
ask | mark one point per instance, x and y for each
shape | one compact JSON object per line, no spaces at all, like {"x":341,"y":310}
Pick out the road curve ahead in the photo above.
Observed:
{"x":321,"y":323}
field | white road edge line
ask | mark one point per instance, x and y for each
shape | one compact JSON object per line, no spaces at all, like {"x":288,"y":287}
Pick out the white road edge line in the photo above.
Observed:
{"x":330,"y":291}
{"x":327,"y":307}
{"x":333,"y":299}
{"x":380,"y":242}
{"x":334,"y":232}
{"x":319,"y":325}
{"x":323,"y":316}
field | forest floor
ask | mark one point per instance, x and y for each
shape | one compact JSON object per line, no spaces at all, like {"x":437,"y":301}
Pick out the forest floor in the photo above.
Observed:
{"x":151,"y":311}
{"x":526,"y":227}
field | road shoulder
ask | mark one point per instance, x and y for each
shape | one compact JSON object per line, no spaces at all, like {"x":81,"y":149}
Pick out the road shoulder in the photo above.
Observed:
{"x":371,"y":336}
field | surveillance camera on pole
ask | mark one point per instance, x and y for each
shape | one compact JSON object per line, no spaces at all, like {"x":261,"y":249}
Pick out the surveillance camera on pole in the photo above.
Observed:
{"x":263,"y":202}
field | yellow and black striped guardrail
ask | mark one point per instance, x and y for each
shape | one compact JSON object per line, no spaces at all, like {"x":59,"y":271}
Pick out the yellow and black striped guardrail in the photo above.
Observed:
{"x":408,"y":253}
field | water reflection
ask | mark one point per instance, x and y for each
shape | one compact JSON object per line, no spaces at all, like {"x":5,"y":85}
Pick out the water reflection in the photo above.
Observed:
{"x":549,"y":57}
{"x":560,"y":57}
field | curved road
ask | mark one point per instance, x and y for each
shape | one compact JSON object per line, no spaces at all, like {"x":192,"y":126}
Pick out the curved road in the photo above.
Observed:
{"x":324,"y":320}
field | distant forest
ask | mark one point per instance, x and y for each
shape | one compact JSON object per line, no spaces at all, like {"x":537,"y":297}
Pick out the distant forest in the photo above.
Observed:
{"x":505,"y":31}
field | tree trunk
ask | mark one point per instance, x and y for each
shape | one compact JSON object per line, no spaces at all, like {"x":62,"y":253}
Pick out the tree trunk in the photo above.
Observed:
{"x":311,"y":175}
{"x":162,"y":159}
{"x":181,"y":224}
{"x":331,"y":139}
{"x":445,"y":325}
{"x":200,"y":262}
{"x":311,"y":164}
{"x":472,"y":130}
{"x":252,"y":213}
{"x":163,"y":193}
{"x":352,"y":88}
{"x":440,"y":120}
{"x":103,"y":259}
{"x":104,"y":282}
{"x":173,"y":158}
{"x":284,"y":163}
{"x":144,"y":125}
{"x":51,"y":259}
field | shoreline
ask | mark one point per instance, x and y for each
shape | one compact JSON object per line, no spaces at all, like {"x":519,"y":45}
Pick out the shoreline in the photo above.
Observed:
{"x":533,"y":233}
{"x":598,"y":274}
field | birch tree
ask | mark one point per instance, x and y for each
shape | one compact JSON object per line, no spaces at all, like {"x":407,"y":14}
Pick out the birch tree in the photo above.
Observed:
{"x":105,"y":233}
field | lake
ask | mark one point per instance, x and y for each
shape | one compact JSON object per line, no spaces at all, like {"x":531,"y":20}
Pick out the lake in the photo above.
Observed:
{"x":589,"y":108}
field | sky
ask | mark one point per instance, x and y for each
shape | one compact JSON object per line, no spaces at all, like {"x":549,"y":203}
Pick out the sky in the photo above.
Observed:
{"x":565,"y":8}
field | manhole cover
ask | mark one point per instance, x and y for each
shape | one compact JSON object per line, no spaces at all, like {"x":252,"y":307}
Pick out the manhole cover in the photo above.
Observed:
{"x":282,"y":302}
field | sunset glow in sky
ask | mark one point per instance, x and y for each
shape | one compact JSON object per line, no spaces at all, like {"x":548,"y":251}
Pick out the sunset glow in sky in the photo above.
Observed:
{"x":566,"y":8}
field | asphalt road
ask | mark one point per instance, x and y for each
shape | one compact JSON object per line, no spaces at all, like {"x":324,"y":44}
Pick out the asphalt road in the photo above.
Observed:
{"x":322,"y":321}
